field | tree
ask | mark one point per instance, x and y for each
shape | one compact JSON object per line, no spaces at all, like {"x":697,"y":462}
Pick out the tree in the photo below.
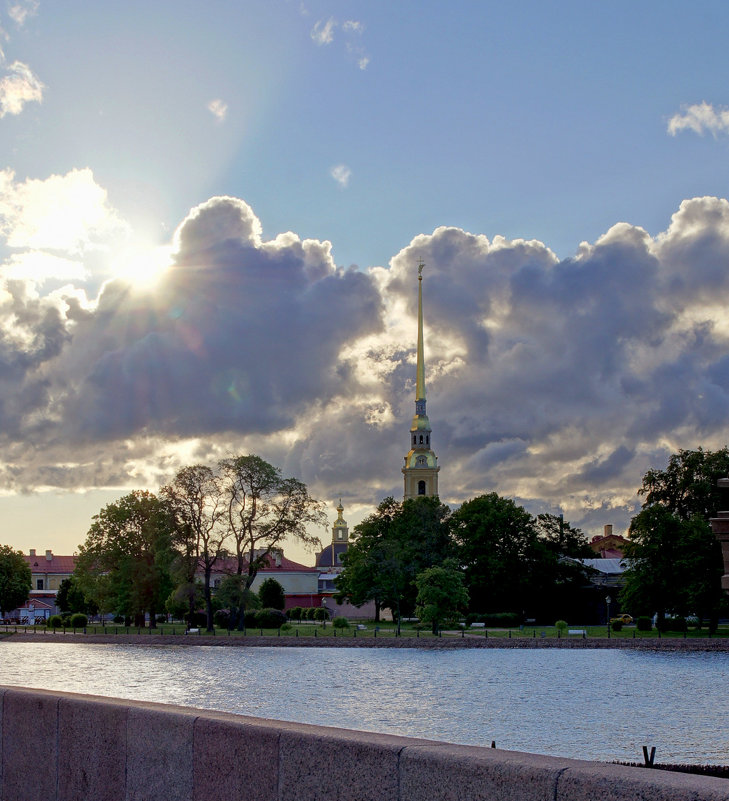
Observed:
{"x":688,"y":486}
{"x":15,"y":579}
{"x":390,"y":547}
{"x":561,"y":538}
{"x":234,"y":595}
{"x":508,"y":566}
{"x":675,"y":560}
{"x":70,"y":598}
{"x":675,"y":566}
{"x":195,"y":498}
{"x":441,"y":594}
{"x":262,"y":509}
{"x":124,"y":564}
{"x":271,"y":594}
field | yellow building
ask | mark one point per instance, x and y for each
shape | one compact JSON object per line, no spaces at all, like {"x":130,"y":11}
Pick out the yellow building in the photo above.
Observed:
{"x":421,"y":463}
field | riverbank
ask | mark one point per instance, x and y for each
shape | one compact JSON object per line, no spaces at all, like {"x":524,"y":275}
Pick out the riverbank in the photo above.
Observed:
{"x":432,"y":643}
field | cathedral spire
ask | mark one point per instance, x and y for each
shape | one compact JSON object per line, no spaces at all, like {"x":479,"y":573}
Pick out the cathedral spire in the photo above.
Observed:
{"x":421,"y":464}
{"x":420,"y":382}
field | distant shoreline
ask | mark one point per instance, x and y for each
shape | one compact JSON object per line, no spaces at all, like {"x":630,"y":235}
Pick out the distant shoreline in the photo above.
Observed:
{"x":441,"y":643}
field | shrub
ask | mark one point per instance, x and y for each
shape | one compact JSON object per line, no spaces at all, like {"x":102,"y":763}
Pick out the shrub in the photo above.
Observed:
{"x":118,"y":619}
{"x":251,"y":618}
{"x":161,"y":619}
{"x":320,"y":613}
{"x":616,"y":624}
{"x":295,"y":613}
{"x":222,"y":618}
{"x":286,"y":627}
{"x":644,"y":623}
{"x":340,"y":623}
{"x":672,"y":624}
{"x":55,"y":622}
{"x":272,"y":594}
{"x":197,"y":620}
{"x":310,"y":612}
{"x":561,"y":626}
{"x":270,"y":618}
{"x":78,"y":621}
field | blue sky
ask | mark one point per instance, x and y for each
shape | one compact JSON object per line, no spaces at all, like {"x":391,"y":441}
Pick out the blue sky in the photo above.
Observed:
{"x":490,"y":139}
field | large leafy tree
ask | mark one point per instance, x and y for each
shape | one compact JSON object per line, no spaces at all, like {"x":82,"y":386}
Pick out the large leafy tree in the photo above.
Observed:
{"x":442,"y":594}
{"x":124,"y":564}
{"x":71,"y":598}
{"x":196,"y":501}
{"x":688,"y":486}
{"x":504,"y":557}
{"x":675,"y":565}
{"x":675,"y":560}
{"x":261,"y":509}
{"x":389,"y":548}
{"x":15,"y":579}
{"x":561,"y":538}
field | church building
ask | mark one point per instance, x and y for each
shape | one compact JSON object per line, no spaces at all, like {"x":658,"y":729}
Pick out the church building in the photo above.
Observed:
{"x":421,"y":463}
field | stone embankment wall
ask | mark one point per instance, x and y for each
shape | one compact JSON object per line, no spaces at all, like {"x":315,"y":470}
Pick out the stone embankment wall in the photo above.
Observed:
{"x":66,"y":747}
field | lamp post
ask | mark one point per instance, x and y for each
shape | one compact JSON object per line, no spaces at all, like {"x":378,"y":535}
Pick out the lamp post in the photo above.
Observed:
{"x":608,"y":600}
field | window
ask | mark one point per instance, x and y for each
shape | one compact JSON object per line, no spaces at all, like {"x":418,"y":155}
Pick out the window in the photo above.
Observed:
{"x":39,"y":584}
{"x":427,"y":439}
{"x":421,"y":439}
{"x":421,"y":488}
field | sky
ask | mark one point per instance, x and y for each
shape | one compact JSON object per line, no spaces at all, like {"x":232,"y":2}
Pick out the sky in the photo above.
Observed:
{"x":211,"y":217}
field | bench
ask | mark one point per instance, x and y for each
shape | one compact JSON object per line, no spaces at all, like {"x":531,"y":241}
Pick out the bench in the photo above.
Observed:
{"x":581,"y":632}
{"x":478,"y":625}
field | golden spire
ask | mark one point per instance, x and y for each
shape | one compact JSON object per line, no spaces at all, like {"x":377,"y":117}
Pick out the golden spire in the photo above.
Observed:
{"x":420,"y":385}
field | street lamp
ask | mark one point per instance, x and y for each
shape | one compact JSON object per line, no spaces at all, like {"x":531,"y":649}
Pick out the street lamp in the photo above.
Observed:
{"x":608,"y":599}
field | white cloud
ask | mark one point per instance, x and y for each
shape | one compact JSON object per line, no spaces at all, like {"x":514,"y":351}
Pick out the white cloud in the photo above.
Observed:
{"x":69,"y":212}
{"x":323,"y":31}
{"x":555,"y":382}
{"x":219,"y":109}
{"x":341,"y":174}
{"x":20,"y":11}
{"x":700,"y":118}
{"x":18,"y":87}
{"x":352,"y":26}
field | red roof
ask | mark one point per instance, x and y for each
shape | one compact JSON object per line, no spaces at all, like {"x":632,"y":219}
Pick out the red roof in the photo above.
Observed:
{"x":36,"y":602}
{"x":230,"y":565}
{"x":56,"y":564}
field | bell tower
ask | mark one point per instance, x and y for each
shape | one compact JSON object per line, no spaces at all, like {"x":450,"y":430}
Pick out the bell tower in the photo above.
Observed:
{"x":421,"y":464}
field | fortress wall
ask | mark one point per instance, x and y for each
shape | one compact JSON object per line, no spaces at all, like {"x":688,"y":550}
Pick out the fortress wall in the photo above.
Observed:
{"x":66,"y":747}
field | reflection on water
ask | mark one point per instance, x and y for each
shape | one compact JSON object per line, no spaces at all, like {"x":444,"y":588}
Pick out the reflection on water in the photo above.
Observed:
{"x":585,"y":704}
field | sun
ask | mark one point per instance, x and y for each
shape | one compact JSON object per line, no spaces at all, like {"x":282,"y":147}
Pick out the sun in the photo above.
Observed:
{"x":142,"y":266}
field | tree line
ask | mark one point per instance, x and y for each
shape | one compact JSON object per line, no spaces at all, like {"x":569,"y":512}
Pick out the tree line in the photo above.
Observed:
{"x":417,"y":557}
{"x":144,"y":553}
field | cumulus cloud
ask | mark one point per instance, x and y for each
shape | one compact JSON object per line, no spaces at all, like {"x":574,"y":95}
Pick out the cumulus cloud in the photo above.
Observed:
{"x":20,"y":11}
{"x":19,"y":86}
{"x":64,"y":212}
{"x":700,"y":118}
{"x":219,"y":109}
{"x":323,"y":31}
{"x":556,"y":382}
{"x":341,"y":174}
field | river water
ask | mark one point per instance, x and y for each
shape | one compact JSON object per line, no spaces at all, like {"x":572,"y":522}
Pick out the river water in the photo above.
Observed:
{"x":586,"y":704}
